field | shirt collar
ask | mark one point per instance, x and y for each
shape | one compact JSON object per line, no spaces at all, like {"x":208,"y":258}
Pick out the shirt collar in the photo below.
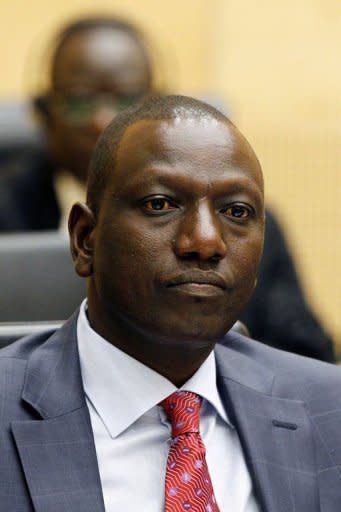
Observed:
{"x":114,"y":381}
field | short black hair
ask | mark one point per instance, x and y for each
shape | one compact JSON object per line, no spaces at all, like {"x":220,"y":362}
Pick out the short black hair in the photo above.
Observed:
{"x":93,"y":23}
{"x":153,"y":107}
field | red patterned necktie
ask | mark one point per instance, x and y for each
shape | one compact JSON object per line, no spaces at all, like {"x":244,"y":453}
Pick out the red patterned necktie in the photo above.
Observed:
{"x":188,"y":483}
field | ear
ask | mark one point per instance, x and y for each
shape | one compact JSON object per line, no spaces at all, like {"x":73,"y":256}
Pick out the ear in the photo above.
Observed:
{"x":42,"y":108}
{"x":41,"y":105}
{"x":81,"y":229}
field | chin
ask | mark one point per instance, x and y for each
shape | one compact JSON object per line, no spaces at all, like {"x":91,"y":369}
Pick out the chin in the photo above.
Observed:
{"x":195,"y":333}
{"x":201,"y":323}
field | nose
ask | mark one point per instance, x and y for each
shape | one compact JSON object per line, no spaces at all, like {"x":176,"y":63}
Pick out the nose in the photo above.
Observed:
{"x":101,"y":118}
{"x":199,"y":236}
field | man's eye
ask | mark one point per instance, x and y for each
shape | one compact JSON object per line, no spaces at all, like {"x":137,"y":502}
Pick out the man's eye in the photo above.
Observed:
{"x":237,"y":211}
{"x":158,"y":204}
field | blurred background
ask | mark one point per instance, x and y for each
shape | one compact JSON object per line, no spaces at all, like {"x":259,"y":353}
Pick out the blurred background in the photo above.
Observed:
{"x":276,"y":68}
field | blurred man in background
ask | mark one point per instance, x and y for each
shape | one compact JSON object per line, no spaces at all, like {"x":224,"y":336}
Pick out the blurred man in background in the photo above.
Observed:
{"x":99,"y":67}
{"x":278,"y":313}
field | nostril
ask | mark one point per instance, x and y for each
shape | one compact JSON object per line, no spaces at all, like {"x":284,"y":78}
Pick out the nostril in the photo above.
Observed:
{"x":198,"y":256}
{"x":216,"y":257}
{"x":192,"y":255}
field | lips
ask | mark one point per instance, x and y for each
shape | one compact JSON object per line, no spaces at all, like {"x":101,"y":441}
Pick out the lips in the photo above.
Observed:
{"x":197,"y":277}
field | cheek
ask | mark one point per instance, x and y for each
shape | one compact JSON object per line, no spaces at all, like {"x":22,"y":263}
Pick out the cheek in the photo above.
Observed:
{"x":65,"y":134}
{"x":62,"y":138}
{"x":70,"y":138}
{"x":128,"y":257}
{"x":247,"y":257}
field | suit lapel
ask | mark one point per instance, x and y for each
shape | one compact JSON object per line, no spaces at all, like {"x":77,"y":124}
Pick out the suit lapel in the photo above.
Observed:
{"x":275,"y":435}
{"x":57,"y":452}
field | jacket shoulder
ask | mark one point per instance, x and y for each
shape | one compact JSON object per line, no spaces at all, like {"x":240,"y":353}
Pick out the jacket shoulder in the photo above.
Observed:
{"x":14,"y":357}
{"x":294,"y":377}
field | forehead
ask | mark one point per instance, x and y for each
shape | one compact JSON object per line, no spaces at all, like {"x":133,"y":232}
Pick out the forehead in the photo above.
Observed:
{"x":204,"y":150}
{"x":102,"y":50}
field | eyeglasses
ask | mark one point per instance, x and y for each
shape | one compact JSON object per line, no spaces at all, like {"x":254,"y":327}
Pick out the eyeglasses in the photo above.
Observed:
{"x":79,"y":108}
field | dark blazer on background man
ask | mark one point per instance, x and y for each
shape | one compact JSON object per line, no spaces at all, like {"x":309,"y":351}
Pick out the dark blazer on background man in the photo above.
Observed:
{"x":286,"y":408}
{"x":28,"y":200}
{"x":278,"y":313}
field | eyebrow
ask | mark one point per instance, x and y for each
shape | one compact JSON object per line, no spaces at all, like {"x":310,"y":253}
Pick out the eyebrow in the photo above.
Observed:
{"x":234,"y":182}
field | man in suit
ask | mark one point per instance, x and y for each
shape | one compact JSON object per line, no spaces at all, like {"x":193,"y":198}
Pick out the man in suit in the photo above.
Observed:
{"x":169,"y":240}
{"x":100,"y":65}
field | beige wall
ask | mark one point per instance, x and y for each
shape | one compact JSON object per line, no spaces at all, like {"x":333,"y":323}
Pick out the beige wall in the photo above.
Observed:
{"x":279,"y":63}
{"x":25,"y":27}
{"x":276,"y":64}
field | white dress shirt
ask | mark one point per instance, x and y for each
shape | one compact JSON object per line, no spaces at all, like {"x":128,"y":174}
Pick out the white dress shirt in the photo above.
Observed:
{"x":132,"y":433}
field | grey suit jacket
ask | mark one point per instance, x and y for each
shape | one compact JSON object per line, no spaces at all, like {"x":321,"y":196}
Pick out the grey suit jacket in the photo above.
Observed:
{"x":287,"y":410}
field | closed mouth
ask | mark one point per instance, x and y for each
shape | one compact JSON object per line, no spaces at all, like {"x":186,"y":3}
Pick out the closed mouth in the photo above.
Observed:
{"x":197,"y":277}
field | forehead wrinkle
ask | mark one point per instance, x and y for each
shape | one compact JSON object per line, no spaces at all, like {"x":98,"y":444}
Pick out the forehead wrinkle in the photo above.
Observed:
{"x":233,"y":182}
{"x":167,"y":130}
{"x":158,"y":143}
{"x":230,"y":145}
{"x":134,"y":140}
{"x":206,"y":126}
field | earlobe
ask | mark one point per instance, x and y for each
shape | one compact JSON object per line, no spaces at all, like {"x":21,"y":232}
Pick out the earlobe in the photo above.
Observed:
{"x":41,"y":108}
{"x":81,"y":230}
{"x":40,"y":104}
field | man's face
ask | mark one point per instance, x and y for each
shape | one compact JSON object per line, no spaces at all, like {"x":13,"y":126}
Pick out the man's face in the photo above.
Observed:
{"x":179,"y":231}
{"x":98,"y":73}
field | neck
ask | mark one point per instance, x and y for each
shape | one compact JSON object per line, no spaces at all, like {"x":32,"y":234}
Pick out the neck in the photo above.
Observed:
{"x":176,"y":360}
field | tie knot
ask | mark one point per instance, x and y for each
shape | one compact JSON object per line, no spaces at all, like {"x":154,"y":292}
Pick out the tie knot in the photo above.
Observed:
{"x":183,"y":410}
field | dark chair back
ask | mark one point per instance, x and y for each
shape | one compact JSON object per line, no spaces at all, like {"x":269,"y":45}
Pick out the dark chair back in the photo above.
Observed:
{"x":37,"y":278}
